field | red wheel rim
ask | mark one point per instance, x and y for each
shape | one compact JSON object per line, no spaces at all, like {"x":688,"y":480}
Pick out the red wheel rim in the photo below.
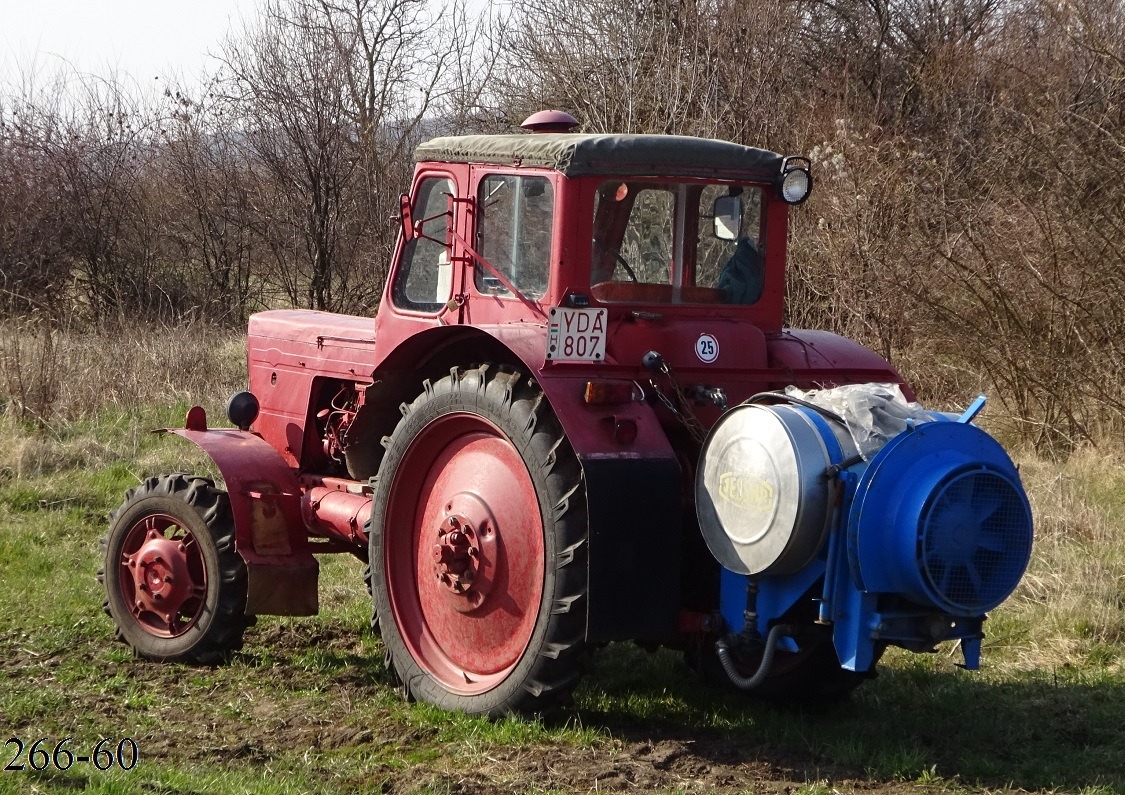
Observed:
{"x":463,"y":553}
{"x":162,"y":576}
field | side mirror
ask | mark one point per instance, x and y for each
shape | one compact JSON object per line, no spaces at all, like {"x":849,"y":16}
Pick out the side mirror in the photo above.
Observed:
{"x":406,"y":219}
{"x":728,"y":217}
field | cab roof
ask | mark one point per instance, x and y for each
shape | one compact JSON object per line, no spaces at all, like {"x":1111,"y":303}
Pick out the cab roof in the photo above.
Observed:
{"x":576,"y":154}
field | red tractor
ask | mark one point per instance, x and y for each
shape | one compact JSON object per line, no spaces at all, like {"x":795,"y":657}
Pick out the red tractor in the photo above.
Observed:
{"x":532,"y":447}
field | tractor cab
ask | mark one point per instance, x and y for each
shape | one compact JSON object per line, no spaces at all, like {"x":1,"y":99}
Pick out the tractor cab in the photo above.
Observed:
{"x":590,"y":233}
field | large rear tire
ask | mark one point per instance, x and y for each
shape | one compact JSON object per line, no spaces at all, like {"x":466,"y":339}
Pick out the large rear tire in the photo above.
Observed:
{"x":175,"y":586}
{"x":478,"y":547}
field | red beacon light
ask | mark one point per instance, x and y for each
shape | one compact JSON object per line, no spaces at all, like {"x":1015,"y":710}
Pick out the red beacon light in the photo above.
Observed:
{"x":550,"y":121}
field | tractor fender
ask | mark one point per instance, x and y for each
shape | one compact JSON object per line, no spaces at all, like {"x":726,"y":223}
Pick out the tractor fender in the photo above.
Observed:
{"x":430,"y":354}
{"x":633,"y":496}
{"x":265,"y":501}
{"x":633,"y":491}
{"x":813,"y":357}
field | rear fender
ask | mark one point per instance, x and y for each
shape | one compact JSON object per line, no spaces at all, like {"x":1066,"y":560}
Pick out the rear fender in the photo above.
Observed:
{"x":265,"y":501}
{"x":813,"y":359}
{"x":634,"y":497}
{"x":431,"y":354}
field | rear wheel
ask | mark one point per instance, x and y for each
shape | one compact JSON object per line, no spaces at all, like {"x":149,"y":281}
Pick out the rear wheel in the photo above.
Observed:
{"x":175,"y":586}
{"x":478,"y":547}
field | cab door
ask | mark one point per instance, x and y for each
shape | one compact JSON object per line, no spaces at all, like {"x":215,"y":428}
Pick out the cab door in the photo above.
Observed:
{"x":514,"y":231}
{"x":424,"y":288}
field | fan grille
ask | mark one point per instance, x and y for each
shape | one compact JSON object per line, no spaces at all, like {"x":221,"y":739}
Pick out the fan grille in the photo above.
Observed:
{"x":975,"y":541}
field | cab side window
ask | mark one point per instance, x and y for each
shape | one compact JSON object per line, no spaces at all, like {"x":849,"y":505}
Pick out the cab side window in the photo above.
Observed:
{"x":734,"y":266}
{"x":424,"y":280}
{"x":514,"y":225}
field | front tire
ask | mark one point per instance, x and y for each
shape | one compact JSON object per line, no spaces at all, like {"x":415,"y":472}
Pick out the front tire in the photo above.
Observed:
{"x":175,"y":585}
{"x":478,"y":547}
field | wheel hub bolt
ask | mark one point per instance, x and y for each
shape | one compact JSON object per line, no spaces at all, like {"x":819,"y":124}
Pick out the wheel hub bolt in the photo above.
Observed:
{"x":456,"y":555}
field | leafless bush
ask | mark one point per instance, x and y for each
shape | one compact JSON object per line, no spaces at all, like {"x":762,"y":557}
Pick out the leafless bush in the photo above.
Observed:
{"x":968,"y":220}
{"x":31,"y":251}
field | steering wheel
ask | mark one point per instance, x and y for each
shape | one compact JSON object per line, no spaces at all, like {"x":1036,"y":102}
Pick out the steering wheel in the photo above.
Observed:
{"x":620,"y":259}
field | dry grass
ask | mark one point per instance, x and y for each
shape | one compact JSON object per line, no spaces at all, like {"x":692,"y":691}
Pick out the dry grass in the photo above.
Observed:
{"x":1070,"y":608}
{"x":51,"y":376}
{"x":86,"y":400}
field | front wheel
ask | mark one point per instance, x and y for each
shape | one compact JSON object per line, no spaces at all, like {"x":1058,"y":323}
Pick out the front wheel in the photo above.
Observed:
{"x":478,"y":547}
{"x":175,"y":585}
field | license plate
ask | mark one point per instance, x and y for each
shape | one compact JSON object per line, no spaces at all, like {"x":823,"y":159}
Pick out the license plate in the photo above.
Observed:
{"x":576,"y":335}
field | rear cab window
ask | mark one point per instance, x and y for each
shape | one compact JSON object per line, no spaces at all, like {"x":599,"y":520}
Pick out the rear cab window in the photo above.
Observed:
{"x":660,"y":242}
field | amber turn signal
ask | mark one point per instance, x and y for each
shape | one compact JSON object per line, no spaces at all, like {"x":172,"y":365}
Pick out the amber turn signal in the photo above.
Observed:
{"x":606,"y":391}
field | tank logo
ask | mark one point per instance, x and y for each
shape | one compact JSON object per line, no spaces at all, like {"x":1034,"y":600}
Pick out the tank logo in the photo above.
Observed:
{"x":745,"y":493}
{"x":707,"y":348}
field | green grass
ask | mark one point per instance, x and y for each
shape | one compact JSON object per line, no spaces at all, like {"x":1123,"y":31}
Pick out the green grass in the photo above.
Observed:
{"x":308,"y":706}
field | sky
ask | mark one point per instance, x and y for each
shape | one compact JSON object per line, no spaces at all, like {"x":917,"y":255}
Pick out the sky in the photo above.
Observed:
{"x":142,"y":39}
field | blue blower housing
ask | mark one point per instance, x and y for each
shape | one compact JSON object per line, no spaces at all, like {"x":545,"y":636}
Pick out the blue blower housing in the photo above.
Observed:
{"x":940,"y":517}
{"x":909,"y":544}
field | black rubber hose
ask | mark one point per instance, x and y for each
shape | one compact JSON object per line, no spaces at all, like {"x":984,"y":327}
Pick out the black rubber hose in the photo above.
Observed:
{"x":751,"y":682}
{"x":762,"y":397}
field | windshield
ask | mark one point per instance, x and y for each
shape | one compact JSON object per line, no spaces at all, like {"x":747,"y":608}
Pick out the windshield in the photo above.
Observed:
{"x":677,"y":242}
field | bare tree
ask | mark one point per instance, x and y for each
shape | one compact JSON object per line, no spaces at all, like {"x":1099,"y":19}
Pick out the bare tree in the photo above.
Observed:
{"x":208,"y":215}
{"x":287,"y":95}
{"x":707,"y":68}
{"x":98,"y":140}
{"x":329,"y":99}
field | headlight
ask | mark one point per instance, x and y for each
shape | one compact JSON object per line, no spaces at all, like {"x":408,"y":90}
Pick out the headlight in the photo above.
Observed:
{"x":795,"y":186}
{"x":795,"y":181}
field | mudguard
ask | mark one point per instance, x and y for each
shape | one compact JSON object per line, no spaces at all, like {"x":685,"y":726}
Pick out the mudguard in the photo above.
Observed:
{"x":265,"y":500}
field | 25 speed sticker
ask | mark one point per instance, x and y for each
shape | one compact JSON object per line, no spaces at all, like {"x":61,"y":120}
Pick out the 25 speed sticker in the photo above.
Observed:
{"x":44,"y":753}
{"x":707,"y":348}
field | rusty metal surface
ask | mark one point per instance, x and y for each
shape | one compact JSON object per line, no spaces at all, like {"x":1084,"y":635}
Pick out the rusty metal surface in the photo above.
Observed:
{"x":285,"y":589}
{"x":337,"y":514}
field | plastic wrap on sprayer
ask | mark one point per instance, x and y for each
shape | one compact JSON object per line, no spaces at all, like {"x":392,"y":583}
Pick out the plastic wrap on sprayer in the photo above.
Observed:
{"x":873,"y":413}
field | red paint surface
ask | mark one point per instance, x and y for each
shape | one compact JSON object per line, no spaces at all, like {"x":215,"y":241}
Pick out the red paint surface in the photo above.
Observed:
{"x":286,"y":351}
{"x":463,"y":466}
{"x":291,"y":354}
{"x":253,"y":470}
{"x":161,"y":576}
{"x":289,"y":350}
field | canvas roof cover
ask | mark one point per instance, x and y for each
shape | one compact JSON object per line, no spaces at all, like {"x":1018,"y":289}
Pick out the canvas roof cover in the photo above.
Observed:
{"x":618,"y":155}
